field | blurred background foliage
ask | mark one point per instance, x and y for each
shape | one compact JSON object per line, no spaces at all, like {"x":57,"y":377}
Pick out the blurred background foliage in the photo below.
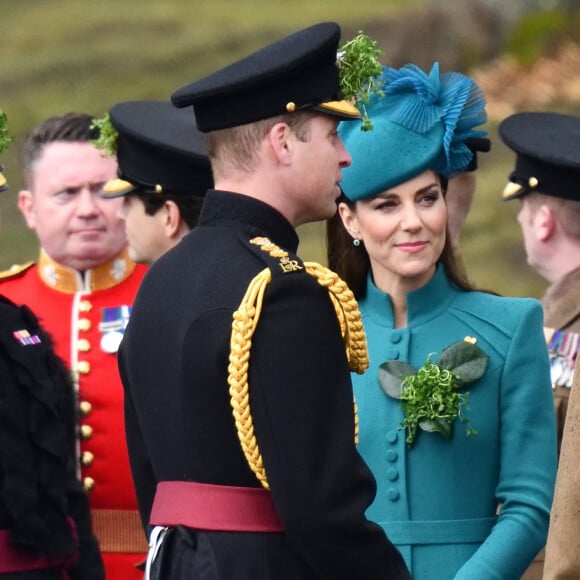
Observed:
{"x":63,"y":55}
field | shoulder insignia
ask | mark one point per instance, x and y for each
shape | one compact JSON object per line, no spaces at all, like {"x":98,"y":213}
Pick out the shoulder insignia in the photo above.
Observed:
{"x":15,"y":271}
{"x":278,"y":259}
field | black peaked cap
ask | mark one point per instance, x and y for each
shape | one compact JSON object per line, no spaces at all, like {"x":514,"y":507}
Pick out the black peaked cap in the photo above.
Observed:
{"x":477,"y":145}
{"x":548,"y":154}
{"x":159,"y":147}
{"x":298,"y":70}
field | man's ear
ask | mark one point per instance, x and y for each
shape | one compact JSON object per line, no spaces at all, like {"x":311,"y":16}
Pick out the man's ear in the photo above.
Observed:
{"x":281,"y":143}
{"x":349,"y":220}
{"x":172,"y":218}
{"x":544,"y":222}
{"x":26,"y":206}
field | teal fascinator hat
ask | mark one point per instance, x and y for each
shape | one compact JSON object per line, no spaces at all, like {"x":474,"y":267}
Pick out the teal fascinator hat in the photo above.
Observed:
{"x":422,"y":121}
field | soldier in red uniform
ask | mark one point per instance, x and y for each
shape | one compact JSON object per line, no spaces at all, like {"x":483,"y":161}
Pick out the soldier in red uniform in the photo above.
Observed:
{"x":82,"y":289}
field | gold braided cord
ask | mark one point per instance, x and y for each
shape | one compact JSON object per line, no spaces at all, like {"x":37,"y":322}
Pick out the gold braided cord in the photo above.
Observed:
{"x":245,"y":320}
{"x":348,"y":314}
{"x":243,"y":327}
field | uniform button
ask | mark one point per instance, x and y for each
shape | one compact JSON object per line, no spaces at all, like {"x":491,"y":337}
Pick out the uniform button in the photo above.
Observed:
{"x":85,"y":408}
{"x":84,"y":345}
{"x":392,"y":494}
{"x":84,"y":367}
{"x":84,"y":324}
{"x":87,"y":459}
{"x":392,"y":455}
{"x":396,"y":337}
{"x":86,"y":432}
{"x":392,"y":436}
{"x":89,"y":483}
{"x":393,"y":354}
{"x":85,"y":306}
{"x":392,"y":474}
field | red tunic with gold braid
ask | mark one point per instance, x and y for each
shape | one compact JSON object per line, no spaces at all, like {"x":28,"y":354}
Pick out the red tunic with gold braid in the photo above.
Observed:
{"x":86,"y":316}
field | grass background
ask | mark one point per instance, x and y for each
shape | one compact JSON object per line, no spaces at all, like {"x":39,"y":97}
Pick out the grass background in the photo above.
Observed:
{"x":63,"y":55}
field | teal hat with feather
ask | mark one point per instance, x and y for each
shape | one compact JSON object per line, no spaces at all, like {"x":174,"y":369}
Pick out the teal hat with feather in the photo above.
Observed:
{"x":421,"y":121}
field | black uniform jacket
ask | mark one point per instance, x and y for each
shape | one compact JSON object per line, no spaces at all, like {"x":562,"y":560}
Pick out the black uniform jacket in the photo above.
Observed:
{"x":174,"y":360}
{"x":39,"y":489}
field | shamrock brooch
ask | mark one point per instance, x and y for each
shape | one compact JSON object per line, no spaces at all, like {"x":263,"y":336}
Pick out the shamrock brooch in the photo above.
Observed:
{"x":430,"y":397}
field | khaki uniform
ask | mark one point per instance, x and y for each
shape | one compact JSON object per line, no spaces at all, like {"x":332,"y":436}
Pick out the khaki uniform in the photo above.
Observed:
{"x":561,"y":304}
{"x":563,"y":547}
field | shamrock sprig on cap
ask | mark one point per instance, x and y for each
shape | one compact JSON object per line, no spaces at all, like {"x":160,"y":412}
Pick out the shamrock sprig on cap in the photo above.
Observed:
{"x":106,"y":136}
{"x":5,"y":137}
{"x":358,"y":71}
{"x":429,"y":396}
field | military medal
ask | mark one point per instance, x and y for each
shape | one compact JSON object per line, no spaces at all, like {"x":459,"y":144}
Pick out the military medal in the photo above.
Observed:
{"x":563,"y":349}
{"x":114,"y":322}
{"x":25,"y":338}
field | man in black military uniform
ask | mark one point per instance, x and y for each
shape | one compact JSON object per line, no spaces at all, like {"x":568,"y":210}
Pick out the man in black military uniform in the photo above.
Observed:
{"x":164,"y":173}
{"x":45,"y":523}
{"x":259,"y":480}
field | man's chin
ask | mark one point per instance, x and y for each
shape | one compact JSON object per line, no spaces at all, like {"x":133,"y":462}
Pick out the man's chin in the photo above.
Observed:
{"x":137,"y":257}
{"x":90,"y":256}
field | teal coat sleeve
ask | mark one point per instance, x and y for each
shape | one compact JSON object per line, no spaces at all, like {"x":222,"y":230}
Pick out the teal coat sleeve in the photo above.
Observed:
{"x":527,"y":457}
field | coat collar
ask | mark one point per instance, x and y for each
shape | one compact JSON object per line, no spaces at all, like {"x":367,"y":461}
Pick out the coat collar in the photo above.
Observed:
{"x":423,"y":304}
{"x":223,"y":207}
{"x":561,"y":304}
{"x":69,"y":281}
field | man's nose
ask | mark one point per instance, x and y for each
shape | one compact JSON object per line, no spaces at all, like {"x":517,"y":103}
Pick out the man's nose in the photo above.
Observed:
{"x":88,"y":201}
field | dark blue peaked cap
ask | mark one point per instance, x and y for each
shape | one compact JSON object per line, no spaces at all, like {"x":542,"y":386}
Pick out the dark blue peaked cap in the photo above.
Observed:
{"x":548,"y":154}
{"x":296,"y":73}
{"x":159,"y":149}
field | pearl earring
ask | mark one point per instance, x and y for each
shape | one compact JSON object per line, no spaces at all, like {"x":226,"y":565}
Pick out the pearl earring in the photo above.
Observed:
{"x":356,"y":242}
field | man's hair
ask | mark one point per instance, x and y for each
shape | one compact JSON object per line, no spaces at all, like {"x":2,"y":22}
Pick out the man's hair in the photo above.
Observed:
{"x":235,"y":148}
{"x":567,"y":211}
{"x":189,"y":205}
{"x":71,"y":127}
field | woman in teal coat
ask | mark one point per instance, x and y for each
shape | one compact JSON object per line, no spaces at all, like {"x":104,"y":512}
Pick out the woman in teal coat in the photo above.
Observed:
{"x":455,"y":411}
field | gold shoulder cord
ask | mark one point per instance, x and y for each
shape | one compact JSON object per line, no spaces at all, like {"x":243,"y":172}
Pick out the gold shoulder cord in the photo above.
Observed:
{"x":245,"y":321}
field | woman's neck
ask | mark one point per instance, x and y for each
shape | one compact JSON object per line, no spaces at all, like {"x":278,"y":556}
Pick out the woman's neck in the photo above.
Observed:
{"x":397,"y":287}
{"x":399,"y":304}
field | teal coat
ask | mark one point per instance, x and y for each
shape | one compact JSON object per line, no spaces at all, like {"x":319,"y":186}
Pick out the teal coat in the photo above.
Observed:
{"x":437,"y":500}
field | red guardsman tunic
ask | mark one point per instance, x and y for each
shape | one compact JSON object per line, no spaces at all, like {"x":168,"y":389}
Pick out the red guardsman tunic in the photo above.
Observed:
{"x":86,"y":318}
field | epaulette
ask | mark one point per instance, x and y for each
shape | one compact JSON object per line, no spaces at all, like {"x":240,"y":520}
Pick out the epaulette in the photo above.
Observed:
{"x":15,"y":271}
{"x":246,"y":317}
{"x":278,"y":260}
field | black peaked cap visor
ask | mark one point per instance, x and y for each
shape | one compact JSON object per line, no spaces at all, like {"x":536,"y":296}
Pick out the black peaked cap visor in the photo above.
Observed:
{"x":160,"y":145}
{"x":547,"y":146}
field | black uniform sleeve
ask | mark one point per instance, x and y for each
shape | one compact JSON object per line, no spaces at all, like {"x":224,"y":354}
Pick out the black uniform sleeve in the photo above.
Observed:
{"x":141,"y":468}
{"x":302,"y":403}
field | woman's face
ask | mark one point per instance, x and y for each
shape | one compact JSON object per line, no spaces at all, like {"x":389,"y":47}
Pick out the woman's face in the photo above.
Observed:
{"x":403,"y":230}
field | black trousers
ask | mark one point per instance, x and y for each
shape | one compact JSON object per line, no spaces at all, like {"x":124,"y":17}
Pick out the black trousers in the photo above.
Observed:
{"x":193,"y":555}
